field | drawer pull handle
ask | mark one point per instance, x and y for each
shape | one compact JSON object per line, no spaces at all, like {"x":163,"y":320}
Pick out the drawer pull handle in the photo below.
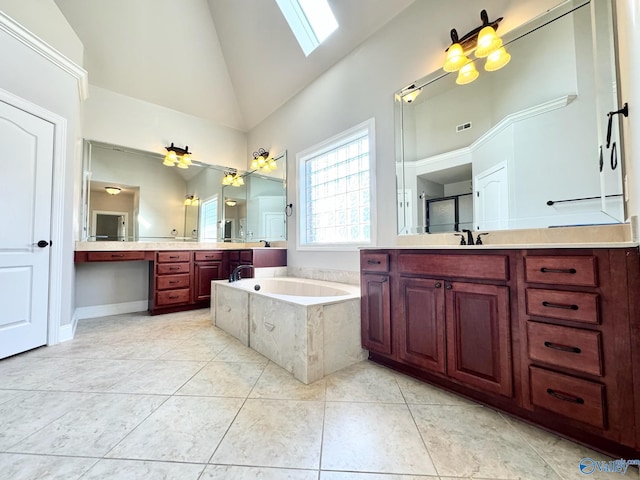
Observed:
{"x":558,"y":270}
{"x":448,"y":286}
{"x":173,"y":256}
{"x":174,"y":296}
{"x":117,"y":255}
{"x":269,"y":326}
{"x":174,"y":268}
{"x":560,"y":305}
{"x":174,"y":281}
{"x":562,"y":348}
{"x":438,"y":285}
{"x":565,"y":397}
{"x":374,"y":262}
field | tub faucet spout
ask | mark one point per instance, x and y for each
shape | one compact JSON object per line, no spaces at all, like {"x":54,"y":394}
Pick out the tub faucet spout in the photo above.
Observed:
{"x":235,"y":275}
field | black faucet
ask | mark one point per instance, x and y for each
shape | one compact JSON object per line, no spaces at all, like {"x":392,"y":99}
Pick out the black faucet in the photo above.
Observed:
{"x":266,"y":243}
{"x":235,"y":275}
{"x":469,"y":237}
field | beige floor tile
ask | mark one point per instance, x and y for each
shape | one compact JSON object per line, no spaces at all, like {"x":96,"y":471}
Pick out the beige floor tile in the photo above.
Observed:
{"x":274,"y":433}
{"x":158,"y":377}
{"x":197,"y":349}
{"x":363,"y":382}
{"x":562,"y":455}
{"x":226,"y":472}
{"x":223,"y":379}
{"x":276,"y":383}
{"x":110,"y":469}
{"x":92,"y":427}
{"x":15,"y":466}
{"x":372,"y":437}
{"x":28,"y":413}
{"x":93,"y":375}
{"x":184,"y":429}
{"x":417,"y":392}
{"x":31,"y":373}
{"x":371,"y":476}
{"x":473,"y":441}
{"x":8,"y":395}
{"x":236,"y":352}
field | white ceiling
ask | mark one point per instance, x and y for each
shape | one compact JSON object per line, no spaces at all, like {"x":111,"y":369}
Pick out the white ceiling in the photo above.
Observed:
{"x":231,"y":61}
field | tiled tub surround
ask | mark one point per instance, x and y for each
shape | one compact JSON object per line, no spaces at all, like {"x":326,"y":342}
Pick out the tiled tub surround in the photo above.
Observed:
{"x":308,"y":327}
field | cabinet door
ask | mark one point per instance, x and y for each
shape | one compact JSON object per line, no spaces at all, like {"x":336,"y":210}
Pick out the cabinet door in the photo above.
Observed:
{"x":204,"y":274}
{"x":422,"y":333}
{"x":376,"y":313}
{"x":478,"y":336}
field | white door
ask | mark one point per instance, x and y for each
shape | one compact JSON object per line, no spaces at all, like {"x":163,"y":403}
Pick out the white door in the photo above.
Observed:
{"x":25,"y":219}
{"x":274,"y":225}
{"x":491,"y":199}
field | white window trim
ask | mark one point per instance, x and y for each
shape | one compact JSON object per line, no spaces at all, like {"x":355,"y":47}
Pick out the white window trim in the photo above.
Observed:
{"x":201,"y":219}
{"x":318,"y":149}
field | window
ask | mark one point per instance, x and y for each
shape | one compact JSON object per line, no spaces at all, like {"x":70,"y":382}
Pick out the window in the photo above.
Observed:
{"x":311,"y":21}
{"x":209,"y":219}
{"x":336,"y":193}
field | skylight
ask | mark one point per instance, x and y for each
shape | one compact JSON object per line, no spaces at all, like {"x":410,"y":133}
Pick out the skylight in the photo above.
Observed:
{"x":311,"y":21}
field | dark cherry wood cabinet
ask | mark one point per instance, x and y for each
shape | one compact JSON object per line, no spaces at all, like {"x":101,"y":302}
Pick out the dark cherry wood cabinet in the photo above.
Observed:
{"x":549,"y":335}
{"x":181,"y":279}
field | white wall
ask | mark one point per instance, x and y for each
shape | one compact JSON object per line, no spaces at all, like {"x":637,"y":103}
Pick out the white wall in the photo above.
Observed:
{"x":28,"y":75}
{"x":360,"y":87}
{"x":121,"y":120}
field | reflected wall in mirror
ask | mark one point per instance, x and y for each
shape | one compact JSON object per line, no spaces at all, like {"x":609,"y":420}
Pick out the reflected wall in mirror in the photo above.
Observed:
{"x":161,"y":203}
{"x":492,"y":154}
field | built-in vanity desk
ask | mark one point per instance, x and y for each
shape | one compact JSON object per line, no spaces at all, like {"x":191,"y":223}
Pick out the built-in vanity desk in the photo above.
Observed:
{"x":548,"y":333}
{"x":180,"y":274}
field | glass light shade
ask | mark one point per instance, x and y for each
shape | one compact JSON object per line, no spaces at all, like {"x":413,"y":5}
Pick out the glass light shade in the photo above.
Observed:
{"x":272,"y":164}
{"x":261,"y":161}
{"x":231,"y":203}
{"x":456,"y":58}
{"x":170,"y":159}
{"x":467,"y":74}
{"x":227,"y":179}
{"x":488,"y":42}
{"x":238,"y":181}
{"x":266,"y":167}
{"x":187,"y":202}
{"x":497,"y":60}
{"x":254,"y":164}
{"x":113,"y":190}
{"x":182,"y":165}
{"x":186,"y":159}
{"x":411,"y":96}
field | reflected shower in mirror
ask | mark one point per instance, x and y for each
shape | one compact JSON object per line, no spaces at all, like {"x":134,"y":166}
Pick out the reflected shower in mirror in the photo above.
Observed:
{"x":492,"y":154}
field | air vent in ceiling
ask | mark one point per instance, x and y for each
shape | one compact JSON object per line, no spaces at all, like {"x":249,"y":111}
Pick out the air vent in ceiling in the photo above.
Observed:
{"x":463,"y":126}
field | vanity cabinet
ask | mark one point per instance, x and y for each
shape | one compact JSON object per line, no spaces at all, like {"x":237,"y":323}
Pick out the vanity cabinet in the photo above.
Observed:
{"x":208,"y":266}
{"x":542,"y":334}
{"x":170,"y":280}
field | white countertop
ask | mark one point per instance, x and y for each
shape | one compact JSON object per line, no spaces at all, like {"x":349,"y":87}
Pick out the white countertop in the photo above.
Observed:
{"x":520,"y":246}
{"x":137,"y":246}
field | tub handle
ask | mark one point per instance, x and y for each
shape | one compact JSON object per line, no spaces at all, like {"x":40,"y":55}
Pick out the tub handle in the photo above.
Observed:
{"x":270,"y":326}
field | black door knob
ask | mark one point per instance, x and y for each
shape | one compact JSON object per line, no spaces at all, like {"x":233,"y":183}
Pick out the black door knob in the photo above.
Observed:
{"x":43,"y":243}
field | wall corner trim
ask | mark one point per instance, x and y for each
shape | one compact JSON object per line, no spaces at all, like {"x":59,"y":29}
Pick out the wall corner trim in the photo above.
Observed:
{"x":24,"y":36}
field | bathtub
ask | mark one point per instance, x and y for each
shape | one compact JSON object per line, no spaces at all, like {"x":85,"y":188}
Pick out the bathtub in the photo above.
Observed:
{"x":309,"y":327}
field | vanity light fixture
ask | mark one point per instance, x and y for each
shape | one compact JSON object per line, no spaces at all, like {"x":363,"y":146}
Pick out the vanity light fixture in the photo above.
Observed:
{"x":410,"y":93}
{"x":180,"y":157}
{"x":113,"y":190}
{"x":191,"y":200}
{"x":233,"y":178}
{"x":484,"y":42}
{"x":262,"y":161}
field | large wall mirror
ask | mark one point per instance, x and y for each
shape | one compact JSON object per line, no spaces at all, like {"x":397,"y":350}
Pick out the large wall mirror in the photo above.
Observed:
{"x":129,"y":195}
{"x":521,"y":147}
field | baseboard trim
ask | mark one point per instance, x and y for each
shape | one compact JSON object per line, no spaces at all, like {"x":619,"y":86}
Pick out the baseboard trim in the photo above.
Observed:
{"x":67,"y":332}
{"x":111,"y":309}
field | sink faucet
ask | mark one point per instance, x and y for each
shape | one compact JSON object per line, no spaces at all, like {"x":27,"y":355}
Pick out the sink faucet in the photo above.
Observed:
{"x":266,"y":243}
{"x":469,"y":237}
{"x":235,"y":275}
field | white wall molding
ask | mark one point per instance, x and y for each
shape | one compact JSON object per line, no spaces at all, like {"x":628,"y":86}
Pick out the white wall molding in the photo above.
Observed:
{"x":67,"y":332}
{"x":111,"y":309}
{"x":24,"y":36}
{"x":496,"y":129}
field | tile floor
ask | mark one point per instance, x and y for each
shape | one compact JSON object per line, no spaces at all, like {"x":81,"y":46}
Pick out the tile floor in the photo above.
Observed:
{"x":172,"y":397}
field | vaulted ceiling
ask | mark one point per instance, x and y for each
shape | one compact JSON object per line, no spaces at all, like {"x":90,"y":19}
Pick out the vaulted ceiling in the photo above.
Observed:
{"x":231,"y":61}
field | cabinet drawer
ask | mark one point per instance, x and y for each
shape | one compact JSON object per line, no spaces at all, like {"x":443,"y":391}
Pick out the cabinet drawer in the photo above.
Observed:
{"x":173,"y":268}
{"x":574,"y":306}
{"x":569,"y":396}
{"x":168,"y":282}
{"x":246,"y":256}
{"x":208,"y":256}
{"x":489,"y":267}
{"x":114,"y":256}
{"x":572,"y":348}
{"x":561,"y":270}
{"x":170,"y":257}
{"x":374,"y":262}
{"x":172,"y":297}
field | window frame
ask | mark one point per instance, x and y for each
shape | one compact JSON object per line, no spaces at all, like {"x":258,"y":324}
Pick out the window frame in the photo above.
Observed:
{"x":318,"y":149}
{"x":201,"y":215}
